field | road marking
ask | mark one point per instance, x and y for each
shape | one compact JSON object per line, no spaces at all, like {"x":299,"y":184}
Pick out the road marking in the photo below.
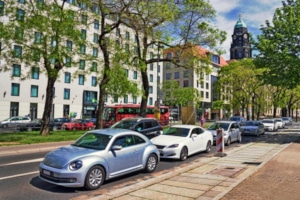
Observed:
{"x":18,"y":175}
{"x":22,"y":162}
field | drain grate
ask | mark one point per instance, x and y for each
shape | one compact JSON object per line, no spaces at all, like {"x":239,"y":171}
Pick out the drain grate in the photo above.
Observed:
{"x":252,"y":163}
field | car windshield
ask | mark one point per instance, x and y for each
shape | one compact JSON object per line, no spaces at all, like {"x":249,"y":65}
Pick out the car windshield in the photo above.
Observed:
{"x":176,"y":131}
{"x":126,"y":124}
{"x":93,"y":141}
{"x":249,"y":123}
{"x":218,"y":125}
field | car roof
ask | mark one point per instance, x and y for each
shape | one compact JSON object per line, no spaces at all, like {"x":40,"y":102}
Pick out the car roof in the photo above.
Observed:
{"x":225,"y":121}
{"x":138,"y":119}
{"x":115,"y":131}
{"x":185,"y":126}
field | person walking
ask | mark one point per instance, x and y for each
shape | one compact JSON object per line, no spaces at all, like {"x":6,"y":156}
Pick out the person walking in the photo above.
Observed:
{"x":202,"y":121}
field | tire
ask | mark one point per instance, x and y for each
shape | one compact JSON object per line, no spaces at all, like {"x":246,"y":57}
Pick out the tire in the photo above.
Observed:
{"x":4,"y":125}
{"x":54,"y":128}
{"x":94,"y":178}
{"x":29,"y":128}
{"x":257,"y":133}
{"x":228,"y":142}
{"x":239,"y":139}
{"x":183,"y":154}
{"x":74,"y":129}
{"x":208,"y":147}
{"x":151,"y":163}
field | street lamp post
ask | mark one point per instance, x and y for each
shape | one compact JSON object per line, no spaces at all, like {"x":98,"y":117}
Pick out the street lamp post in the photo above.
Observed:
{"x":157,"y":103}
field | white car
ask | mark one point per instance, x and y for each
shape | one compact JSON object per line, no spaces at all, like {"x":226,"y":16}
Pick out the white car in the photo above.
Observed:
{"x":280,"y":122}
{"x":181,"y":141}
{"x":231,"y":130}
{"x":270,"y":124}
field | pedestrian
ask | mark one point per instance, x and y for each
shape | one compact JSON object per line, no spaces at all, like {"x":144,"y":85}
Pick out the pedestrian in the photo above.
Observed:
{"x":202,"y":121}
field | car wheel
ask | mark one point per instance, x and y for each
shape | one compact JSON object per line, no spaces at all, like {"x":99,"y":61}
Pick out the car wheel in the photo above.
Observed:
{"x":183,"y":154}
{"x":5,"y":126}
{"x":74,"y":129}
{"x":257,"y":133}
{"x":94,"y":178}
{"x":89,"y":128}
{"x":239,"y":139}
{"x":151,"y":163}
{"x":29,"y":129}
{"x":208,"y":147}
{"x":228,"y":142}
{"x":54,"y":128}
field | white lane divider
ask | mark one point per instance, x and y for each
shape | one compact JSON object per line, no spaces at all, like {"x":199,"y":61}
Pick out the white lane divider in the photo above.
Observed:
{"x":22,"y":162}
{"x":18,"y":175}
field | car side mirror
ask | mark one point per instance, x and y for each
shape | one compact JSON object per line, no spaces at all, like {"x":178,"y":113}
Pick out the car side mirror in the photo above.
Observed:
{"x":194,"y":135}
{"x":116,"y":147}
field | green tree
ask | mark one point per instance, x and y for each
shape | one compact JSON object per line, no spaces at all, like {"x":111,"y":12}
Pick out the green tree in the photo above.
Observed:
{"x":37,"y":32}
{"x":279,"y":48}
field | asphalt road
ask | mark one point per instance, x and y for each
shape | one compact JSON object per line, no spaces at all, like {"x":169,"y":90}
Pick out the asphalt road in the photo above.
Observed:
{"x":19,"y":174}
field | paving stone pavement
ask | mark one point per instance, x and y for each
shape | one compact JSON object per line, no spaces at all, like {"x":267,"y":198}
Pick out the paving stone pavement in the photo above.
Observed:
{"x":241,"y":174}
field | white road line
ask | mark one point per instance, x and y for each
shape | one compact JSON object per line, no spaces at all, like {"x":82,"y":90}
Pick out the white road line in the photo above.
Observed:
{"x":22,"y":162}
{"x":18,"y":175}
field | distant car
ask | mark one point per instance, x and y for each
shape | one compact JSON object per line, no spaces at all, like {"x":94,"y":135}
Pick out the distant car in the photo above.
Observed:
{"x":80,"y":124}
{"x":253,"y":128}
{"x":231,"y":131}
{"x":270,"y":124}
{"x":287,"y":120}
{"x":58,"y":122}
{"x":147,"y":126}
{"x":97,"y":156}
{"x":238,"y":119}
{"x":14,"y":121}
{"x":181,"y":141}
{"x":35,"y":125}
{"x":280,"y":122}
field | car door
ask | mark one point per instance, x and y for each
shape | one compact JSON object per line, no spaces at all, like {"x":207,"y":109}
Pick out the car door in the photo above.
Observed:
{"x":197,"y":143}
{"x":126,"y":159}
{"x":234,"y":131}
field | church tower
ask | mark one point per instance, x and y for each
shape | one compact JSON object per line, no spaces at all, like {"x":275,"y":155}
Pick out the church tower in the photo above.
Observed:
{"x":240,"y":46}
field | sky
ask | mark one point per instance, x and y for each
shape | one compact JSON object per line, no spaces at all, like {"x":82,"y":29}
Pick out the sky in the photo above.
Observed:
{"x":253,"y":12}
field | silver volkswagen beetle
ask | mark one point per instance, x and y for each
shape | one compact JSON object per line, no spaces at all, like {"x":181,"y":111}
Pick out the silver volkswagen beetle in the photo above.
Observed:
{"x":97,"y":156}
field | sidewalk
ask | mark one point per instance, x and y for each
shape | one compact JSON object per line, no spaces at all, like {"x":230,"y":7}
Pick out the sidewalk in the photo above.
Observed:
{"x":254,"y":171}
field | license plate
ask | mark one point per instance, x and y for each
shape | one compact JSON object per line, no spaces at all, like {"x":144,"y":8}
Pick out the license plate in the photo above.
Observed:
{"x":46,"y":172}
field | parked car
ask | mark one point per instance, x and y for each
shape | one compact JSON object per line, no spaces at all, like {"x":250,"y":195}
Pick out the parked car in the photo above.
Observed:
{"x":79,"y":124}
{"x":270,"y":124}
{"x":147,"y":126}
{"x":238,"y":119}
{"x":287,"y":120}
{"x":14,"y":121}
{"x":58,"y":122}
{"x":181,"y":141}
{"x":253,"y":128}
{"x":97,"y":156}
{"x":231,"y":130}
{"x":35,"y":125}
{"x":280,"y":122}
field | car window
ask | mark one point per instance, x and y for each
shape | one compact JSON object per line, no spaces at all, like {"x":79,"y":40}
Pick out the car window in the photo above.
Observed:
{"x":139,"y":126}
{"x":124,"y":141}
{"x":93,"y":141}
{"x":138,"y":140}
{"x":175,"y":131}
{"x":148,"y":124}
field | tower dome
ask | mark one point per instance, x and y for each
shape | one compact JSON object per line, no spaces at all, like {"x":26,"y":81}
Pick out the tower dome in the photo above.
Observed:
{"x":240,"y":23}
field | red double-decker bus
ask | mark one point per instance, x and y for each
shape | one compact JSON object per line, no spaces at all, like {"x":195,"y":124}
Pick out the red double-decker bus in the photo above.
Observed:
{"x":114,"y":113}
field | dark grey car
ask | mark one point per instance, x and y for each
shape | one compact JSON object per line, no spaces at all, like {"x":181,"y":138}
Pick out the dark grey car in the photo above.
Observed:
{"x":149,"y":127}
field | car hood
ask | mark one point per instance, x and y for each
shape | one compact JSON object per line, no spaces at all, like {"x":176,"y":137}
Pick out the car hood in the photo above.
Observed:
{"x":63,"y":155}
{"x":165,"y":140}
{"x":268,"y":124}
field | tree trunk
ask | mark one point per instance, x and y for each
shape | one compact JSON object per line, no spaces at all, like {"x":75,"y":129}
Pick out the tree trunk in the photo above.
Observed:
{"x":48,"y":106}
{"x":146,"y":93}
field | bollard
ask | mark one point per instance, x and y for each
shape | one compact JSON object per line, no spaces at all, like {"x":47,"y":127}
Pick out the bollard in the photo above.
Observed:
{"x":220,"y":142}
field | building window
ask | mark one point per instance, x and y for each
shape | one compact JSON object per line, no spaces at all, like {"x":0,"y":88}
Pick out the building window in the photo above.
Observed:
{"x":158,"y":68}
{"x":81,"y":79}
{"x":127,"y":35}
{"x":69,"y":45}
{"x":136,"y":38}
{"x":66,"y":93}
{"x":17,"y":51}
{"x":150,"y":90}
{"x":83,"y":34}
{"x":206,"y":95}
{"x":135,"y":75}
{"x":96,"y":38}
{"x":16,"y":70}
{"x":125,"y":99}
{"x":176,"y":75}
{"x":94,"y":67}
{"x":151,"y":67}
{"x":118,"y":32}
{"x":202,"y":94}
{"x":1,"y":8}
{"x":94,"y":81}
{"x":186,"y":83}
{"x":151,"y":78}
{"x":168,"y":76}
{"x":127,"y":48}
{"x":82,"y":49}
{"x":169,"y":55}
{"x":151,"y":55}
{"x":186,"y":74}
{"x":19,"y":32}
{"x":21,"y":1}
{"x":134,"y":100}
{"x":53,"y":41}
{"x":37,"y":37}
{"x":34,"y":91}
{"x":150,"y":101}
{"x":95,"y":52}
{"x":82,"y":64}
{"x":168,"y":65}
{"x":84,"y":19}
{"x":206,"y":85}
{"x":67,"y":77}
{"x":116,"y":99}
{"x":35,"y":73}
{"x":96,"y":24}
{"x":68,"y":61}
{"x":20,"y":15}
{"x":15,"y":89}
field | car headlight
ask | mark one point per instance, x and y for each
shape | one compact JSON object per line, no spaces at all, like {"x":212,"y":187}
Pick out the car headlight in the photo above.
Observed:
{"x":173,"y":146}
{"x":75,"y":165}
